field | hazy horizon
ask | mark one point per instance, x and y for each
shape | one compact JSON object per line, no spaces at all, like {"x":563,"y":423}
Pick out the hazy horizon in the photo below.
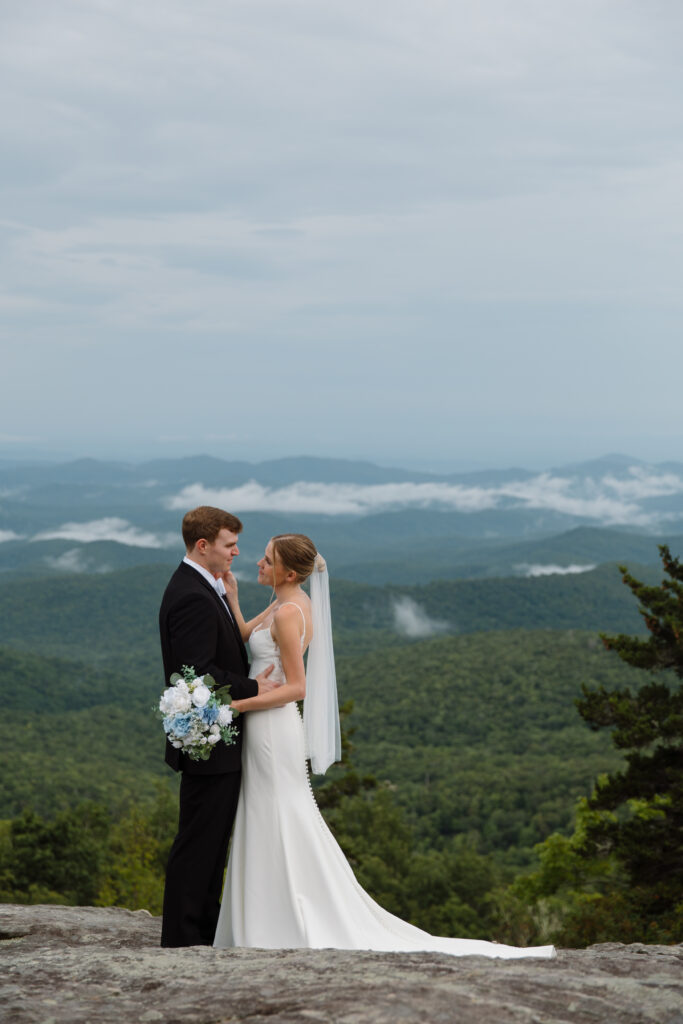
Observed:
{"x":139,"y":456}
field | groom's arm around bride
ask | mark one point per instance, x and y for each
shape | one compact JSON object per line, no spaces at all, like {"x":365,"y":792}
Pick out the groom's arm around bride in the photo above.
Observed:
{"x":197,"y":629}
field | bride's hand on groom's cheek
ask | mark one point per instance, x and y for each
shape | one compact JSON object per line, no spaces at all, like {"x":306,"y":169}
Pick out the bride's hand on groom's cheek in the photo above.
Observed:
{"x":230,"y":584}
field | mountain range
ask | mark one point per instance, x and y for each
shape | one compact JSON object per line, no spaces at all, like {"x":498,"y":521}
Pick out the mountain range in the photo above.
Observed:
{"x":374,"y":524}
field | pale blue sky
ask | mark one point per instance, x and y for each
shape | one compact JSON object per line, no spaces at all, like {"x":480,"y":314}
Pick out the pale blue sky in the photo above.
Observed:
{"x":424,"y":232}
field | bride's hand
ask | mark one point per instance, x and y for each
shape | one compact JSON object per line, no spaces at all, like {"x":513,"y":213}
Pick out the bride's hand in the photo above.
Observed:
{"x":230,"y":584}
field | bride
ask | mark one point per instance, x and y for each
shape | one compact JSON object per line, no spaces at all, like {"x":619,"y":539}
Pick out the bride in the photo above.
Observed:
{"x":288,"y":884}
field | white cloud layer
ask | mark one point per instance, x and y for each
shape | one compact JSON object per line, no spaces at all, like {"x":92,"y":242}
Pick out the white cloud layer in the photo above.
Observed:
{"x":112,"y":529}
{"x":642,"y":482}
{"x":7,"y":535}
{"x":553,"y":570}
{"x":607,"y":500}
{"x":411,"y":619}
{"x":333,"y":499}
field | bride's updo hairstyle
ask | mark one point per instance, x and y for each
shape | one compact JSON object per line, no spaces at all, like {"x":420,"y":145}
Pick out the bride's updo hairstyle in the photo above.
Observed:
{"x":295,"y":552}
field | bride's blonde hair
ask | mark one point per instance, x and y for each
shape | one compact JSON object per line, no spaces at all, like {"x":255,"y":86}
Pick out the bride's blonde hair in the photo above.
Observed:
{"x":294,"y":552}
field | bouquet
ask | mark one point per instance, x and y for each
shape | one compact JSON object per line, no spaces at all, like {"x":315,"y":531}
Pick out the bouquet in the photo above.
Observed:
{"x":195,"y":715}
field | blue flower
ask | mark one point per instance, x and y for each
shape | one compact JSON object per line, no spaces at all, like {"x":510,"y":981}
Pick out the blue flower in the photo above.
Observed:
{"x":180,"y":725}
{"x":208,"y":714}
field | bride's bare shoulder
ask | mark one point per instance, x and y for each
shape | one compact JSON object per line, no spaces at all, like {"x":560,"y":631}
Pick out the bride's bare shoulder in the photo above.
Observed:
{"x":292,"y":610}
{"x":294,"y":614}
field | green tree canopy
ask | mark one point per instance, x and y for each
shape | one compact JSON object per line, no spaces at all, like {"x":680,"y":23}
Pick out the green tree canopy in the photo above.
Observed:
{"x":620,"y":876}
{"x":646,"y":832}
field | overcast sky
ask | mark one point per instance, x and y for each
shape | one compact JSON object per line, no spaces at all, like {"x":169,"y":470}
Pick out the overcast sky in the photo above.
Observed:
{"x":426,"y":232}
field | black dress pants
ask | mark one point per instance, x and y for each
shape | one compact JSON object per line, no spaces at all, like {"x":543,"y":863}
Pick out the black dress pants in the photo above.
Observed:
{"x":196,"y":863}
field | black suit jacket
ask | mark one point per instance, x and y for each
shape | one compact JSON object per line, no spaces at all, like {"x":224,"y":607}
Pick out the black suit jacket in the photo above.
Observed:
{"x":197,"y":630}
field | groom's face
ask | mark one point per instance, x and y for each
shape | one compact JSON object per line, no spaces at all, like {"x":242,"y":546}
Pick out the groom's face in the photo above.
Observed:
{"x":218,"y":554}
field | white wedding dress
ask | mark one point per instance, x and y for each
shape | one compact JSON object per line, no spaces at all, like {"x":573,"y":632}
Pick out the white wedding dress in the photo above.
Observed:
{"x":288,"y":884}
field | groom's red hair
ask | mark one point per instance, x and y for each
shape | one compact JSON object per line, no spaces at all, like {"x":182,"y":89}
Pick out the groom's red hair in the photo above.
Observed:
{"x":205,"y":523}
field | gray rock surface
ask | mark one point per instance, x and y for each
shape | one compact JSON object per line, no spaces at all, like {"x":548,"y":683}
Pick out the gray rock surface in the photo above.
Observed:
{"x":101,"y":965}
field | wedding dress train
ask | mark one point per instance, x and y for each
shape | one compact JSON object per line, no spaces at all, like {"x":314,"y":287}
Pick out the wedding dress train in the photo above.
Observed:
{"x":288,"y":884}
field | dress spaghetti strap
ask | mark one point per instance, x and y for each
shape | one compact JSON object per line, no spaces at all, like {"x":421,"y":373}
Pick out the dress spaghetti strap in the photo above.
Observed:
{"x":303,"y":635}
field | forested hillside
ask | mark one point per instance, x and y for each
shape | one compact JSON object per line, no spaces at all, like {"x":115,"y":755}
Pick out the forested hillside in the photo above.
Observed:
{"x":477,"y":734}
{"x":97,"y":618}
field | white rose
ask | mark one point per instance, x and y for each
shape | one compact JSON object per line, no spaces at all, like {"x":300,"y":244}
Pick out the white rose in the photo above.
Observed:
{"x":182,"y":689}
{"x":200,"y":695}
{"x":213,"y":738}
{"x":224,"y":715}
{"x":175,"y":699}
{"x":178,"y":698}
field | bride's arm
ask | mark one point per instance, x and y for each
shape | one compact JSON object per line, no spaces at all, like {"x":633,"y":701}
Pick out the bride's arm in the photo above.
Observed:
{"x":231,"y":592}
{"x":287,"y":633}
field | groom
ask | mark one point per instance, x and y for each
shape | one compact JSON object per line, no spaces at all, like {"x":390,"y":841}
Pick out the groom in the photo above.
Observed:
{"x":198,"y":629}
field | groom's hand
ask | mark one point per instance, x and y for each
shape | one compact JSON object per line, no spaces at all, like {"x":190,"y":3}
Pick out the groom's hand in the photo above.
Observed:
{"x":265,"y":685}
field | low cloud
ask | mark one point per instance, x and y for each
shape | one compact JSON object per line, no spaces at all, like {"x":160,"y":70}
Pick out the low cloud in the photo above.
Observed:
{"x":608,"y":500}
{"x":7,"y":535}
{"x":74,"y":560}
{"x":553,"y":570}
{"x":118,"y":530}
{"x":334,"y":499}
{"x":573,"y":497}
{"x":412,"y":620}
{"x":642,"y":482}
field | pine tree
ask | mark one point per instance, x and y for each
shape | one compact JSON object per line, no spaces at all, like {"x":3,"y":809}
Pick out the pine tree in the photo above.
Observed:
{"x":639,"y":817}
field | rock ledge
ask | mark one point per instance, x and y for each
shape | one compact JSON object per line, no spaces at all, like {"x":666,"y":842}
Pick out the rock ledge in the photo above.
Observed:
{"x":91,"y":965}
